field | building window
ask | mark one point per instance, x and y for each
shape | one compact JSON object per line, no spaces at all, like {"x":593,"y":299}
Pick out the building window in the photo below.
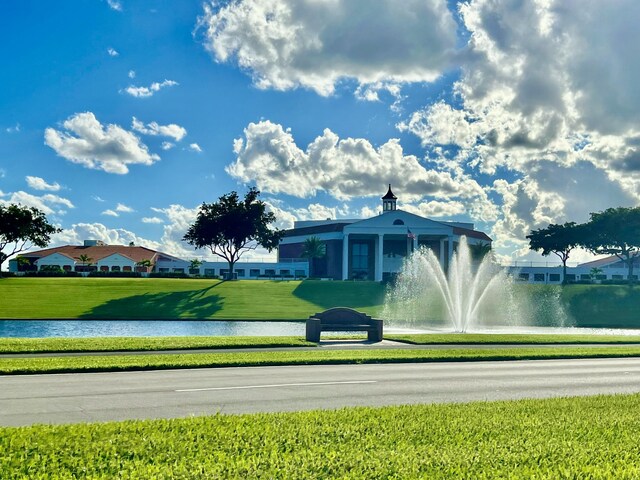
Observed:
{"x":601,"y":277}
{"x":538,"y":277}
{"x":554,"y":277}
{"x":570,"y":277}
{"x":126,"y":268}
{"x":104,"y":268}
{"x":585,"y":276}
{"x":254,"y":272}
{"x":524,"y":277}
{"x":270,"y":272}
{"x":163,"y":270}
{"x":209,"y":272}
{"x":178,"y":270}
{"x":300,"y":273}
{"x":617,"y":277}
{"x":360,"y":256}
{"x":239,"y":272}
{"x":66,"y":268}
{"x":285,"y":272}
{"x":115,"y":268}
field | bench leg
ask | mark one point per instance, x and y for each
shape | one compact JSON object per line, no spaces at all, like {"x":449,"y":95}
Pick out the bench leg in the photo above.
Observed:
{"x":375,"y":335}
{"x":313,"y":330}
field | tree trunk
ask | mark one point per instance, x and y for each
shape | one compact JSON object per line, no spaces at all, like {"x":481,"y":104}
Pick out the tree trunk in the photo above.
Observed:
{"x":630,"y":272}
{"x":230,"y":273}
{"x":564,"y":272}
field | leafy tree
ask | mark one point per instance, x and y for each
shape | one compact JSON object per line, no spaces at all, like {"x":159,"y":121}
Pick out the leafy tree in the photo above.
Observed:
{"x":594,"y":272}
{"x":232,"y":226}
{"x":479,"y":250}
{"x":22,"y":228}
{"x":615,"y":231}
{"x":557,"y":239}
{"x":313,"y":248}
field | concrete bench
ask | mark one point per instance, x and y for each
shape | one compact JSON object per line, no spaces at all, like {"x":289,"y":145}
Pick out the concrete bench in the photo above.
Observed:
{"x":341,"y":319}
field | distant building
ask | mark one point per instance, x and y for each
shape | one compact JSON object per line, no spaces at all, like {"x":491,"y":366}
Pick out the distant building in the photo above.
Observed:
{"x":374,"y":248}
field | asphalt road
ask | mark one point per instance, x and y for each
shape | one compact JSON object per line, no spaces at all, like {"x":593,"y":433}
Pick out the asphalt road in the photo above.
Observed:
{"x":88,"y":397}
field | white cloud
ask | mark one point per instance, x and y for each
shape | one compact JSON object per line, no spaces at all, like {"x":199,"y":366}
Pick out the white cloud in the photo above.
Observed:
{"x":48,"y":203}
{"x":97,"y":198}
{"x":87,"y":142}
{"x":97,"y":231}
{"x":110,"y":213}
{"x":143,"y":92}
{"x":435,"y":208}
{"x":291,"y":43}
{"x":132,"y":74}
{"x":344,"y":168}
{"x":115,"y":5}
{"x":172,"y":130}
{"x":14,"y":129}
{"x":179,"y":219}
{"x":167,"y":145}
{"x":152,"y":220}
{"x":194,"y":147}
{"x":38,"y":183}
{"x":112,"y":52}
{"x":3,"y":173}
{"x":121,"y":207}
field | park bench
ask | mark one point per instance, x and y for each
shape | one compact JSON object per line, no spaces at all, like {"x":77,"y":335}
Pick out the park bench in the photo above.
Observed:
{"x":341,"y":319}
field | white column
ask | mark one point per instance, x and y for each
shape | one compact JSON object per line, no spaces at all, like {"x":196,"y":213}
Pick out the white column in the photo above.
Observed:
{"x":379,"y":258}
{"x":345,"y":257}
{"x":442,"y":253}
{"x":415,"y":243}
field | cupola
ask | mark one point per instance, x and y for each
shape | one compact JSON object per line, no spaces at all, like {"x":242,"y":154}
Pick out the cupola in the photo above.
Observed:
{"x":389,"y":201}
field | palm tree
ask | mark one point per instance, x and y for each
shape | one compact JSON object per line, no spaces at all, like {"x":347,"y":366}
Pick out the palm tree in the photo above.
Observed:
{"x":85,"y":260}
{"x":312,"y":249}
{"x":144,"y":264}
{"x":479,"y":251}
{"x":194,"y":265}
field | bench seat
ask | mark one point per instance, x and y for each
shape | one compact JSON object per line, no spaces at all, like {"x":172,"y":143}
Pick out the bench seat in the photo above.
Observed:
{"x":341,"y":319}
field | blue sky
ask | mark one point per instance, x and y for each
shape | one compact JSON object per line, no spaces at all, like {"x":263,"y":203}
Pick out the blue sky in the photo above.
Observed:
{"x":120,"y":117}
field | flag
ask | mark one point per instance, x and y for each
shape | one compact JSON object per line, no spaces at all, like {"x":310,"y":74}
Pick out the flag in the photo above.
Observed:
{"x":410,"y":235}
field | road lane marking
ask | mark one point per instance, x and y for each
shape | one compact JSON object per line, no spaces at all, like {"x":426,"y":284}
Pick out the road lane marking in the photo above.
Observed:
{"x":276,"y":385}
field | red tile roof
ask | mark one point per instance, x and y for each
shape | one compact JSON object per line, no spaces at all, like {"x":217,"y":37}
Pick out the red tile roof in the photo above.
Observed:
{"x":98,"y":252}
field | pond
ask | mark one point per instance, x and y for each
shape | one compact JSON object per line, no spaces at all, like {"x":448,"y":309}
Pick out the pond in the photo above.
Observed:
{"x":146,"y":328}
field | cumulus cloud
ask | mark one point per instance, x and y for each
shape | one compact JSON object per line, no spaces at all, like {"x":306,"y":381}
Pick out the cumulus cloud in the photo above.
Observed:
{"x":97,"y":231}
{"x":194,"y":147}
{"x":110,"y":213}
{"x":115,"y":5}
{"x":38,"y":183}
{"x":269,"y":157}
{"x":167,"y":145}
{"x":108,"y":148}
{"x":48,"y":203}
{"x":121,"y":207}
{"x":132,"y":74}
{"x":152,"y":220}
{"x":112,"y":52}
{"x":172,"y":130}
{"x":286,"y":44}
{"x":13,"y":129}
{"x":144,"y":92}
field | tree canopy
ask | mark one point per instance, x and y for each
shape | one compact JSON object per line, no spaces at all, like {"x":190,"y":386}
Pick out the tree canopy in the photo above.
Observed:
{"x":312,"y":249}
{"x":557,"y":239}
{"x":22,"y":228}
{"x":615,"y":231}
{"x":232,"y":226}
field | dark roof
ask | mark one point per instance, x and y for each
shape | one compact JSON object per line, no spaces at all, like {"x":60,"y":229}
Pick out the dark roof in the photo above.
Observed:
{"x":389,"y":195}
{"x":329,"y":227}
{"x":96,"y":252}
{"x":471,"y":233}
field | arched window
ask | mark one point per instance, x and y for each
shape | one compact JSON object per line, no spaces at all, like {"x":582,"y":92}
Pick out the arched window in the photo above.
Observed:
{"x":398,"y":222}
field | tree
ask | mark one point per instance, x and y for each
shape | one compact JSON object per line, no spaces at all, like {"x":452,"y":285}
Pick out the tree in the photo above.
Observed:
{"x":479,"y":251}
{"x":85,"y":260}
{"x":557,"y":239}
{"x":22,"y":228}
{"x":146,"y":263}
{"x":232,"y":226}
{"x":615,"y":231}
{"x":312,"y":249}
{"x":594,"y":272}
{"x":194,"y":265}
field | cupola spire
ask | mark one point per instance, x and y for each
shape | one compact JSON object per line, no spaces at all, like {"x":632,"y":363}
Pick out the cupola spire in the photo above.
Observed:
{"x":389,"y":201}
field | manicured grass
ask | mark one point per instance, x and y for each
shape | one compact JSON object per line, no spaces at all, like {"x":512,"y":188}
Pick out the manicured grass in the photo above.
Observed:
{"x":159,"y":298}
{"x":592,"y":437}
{"x":505,"y":339}
{"x":111,"y":344}
{"x":91,"y":363}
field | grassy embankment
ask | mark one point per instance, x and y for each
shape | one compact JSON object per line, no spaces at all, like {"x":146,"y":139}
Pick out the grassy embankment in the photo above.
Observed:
{"x":593,"y":437}
{"x":615,"y":306}
{"x":505,"y":339}
{"x":152,"y":298}
{"x":101,"y":363}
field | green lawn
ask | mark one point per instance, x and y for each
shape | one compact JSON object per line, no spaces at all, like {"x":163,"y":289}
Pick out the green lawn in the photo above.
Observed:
{"x":102,"y":363}
{"x":505,"y":339}
{"x":567,"y":438}
{"x":147,"y":298}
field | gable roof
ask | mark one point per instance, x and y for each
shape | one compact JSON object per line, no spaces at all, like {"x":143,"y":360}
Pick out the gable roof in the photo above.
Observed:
{"x":326,"y":228}
{"x":97,"y":252}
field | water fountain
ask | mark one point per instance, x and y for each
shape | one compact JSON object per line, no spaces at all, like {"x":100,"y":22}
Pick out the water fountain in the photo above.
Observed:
{"x":471,"y":296}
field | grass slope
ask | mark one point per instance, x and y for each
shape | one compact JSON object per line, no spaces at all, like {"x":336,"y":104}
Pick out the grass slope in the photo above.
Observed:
{"x":89,"y":363}
{"x":594,"y":437}
{"x":147,"y":298}
{"x":506,"y":339}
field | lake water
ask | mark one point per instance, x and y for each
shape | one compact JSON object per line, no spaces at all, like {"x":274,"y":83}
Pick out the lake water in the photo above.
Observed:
{"x":146,"y":328}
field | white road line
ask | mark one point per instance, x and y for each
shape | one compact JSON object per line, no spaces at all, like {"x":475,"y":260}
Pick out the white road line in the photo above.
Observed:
{"x":243,"y":387}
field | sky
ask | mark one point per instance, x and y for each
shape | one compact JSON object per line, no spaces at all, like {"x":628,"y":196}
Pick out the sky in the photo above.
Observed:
{"x":118,"y":118}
